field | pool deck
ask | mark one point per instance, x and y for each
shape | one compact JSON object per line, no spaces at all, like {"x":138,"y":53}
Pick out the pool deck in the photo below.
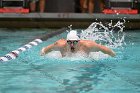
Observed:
{"x":58,"y":20}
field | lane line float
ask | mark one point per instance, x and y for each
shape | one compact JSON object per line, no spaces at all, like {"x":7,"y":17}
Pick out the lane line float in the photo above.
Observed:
{"x":15,"y":53}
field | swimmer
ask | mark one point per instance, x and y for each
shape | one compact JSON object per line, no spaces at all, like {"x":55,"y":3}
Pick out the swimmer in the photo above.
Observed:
{"x":73,"y":44}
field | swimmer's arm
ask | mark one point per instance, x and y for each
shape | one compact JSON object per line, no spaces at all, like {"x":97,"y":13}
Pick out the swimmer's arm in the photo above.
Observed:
{"x":105,"y":50}
{"x":47,"y":49}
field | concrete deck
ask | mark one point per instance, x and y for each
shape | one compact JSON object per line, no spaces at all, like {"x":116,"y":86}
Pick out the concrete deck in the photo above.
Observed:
{"x":57,"y":20}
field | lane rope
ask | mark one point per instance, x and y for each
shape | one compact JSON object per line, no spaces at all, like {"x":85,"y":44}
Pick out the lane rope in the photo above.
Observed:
{"x":15,"y":53}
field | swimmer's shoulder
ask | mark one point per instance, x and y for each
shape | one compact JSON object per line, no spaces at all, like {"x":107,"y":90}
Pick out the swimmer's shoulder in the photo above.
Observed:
{"x":60,"y":42}
{"x":87,"y":43}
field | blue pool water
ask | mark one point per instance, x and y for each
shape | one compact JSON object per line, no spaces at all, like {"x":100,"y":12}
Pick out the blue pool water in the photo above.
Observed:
{"x":31,"y":73}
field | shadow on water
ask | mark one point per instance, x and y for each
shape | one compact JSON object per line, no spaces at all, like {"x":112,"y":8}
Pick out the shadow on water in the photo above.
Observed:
{"x":90,"y":78}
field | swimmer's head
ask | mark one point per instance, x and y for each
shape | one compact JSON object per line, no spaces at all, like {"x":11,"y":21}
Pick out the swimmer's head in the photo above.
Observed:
{"x":72,"y":35}
{"x":72,"y":39}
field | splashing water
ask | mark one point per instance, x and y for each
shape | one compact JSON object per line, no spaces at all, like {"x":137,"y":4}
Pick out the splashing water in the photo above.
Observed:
{"x":110,"y":35}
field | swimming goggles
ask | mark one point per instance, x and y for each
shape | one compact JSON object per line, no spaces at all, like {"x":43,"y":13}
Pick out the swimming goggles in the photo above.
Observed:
{"x":72,"y":41}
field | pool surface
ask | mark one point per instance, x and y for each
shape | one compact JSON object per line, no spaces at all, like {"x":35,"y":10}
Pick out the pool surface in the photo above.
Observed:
{"x":31,"y":73}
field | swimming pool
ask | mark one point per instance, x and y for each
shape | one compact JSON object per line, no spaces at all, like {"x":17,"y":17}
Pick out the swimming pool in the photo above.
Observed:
{"x":31,"y":73}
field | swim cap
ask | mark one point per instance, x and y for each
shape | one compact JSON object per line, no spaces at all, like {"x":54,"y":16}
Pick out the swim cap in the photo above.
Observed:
{"x":72,"y":35}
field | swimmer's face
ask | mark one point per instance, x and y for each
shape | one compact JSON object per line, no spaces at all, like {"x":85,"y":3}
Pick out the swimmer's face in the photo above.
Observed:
{"x":72,"y":44}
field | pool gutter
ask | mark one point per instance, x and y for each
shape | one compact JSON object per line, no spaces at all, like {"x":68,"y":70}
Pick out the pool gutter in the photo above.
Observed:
{"x":57,"y":20}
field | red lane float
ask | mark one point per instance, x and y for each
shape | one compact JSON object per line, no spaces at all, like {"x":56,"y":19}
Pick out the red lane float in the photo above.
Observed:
{"x":14,"y":10}
{"x":120,"y":11}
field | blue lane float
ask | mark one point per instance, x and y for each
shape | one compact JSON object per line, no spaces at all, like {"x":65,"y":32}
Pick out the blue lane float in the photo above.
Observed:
{"x":15,"y":53}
